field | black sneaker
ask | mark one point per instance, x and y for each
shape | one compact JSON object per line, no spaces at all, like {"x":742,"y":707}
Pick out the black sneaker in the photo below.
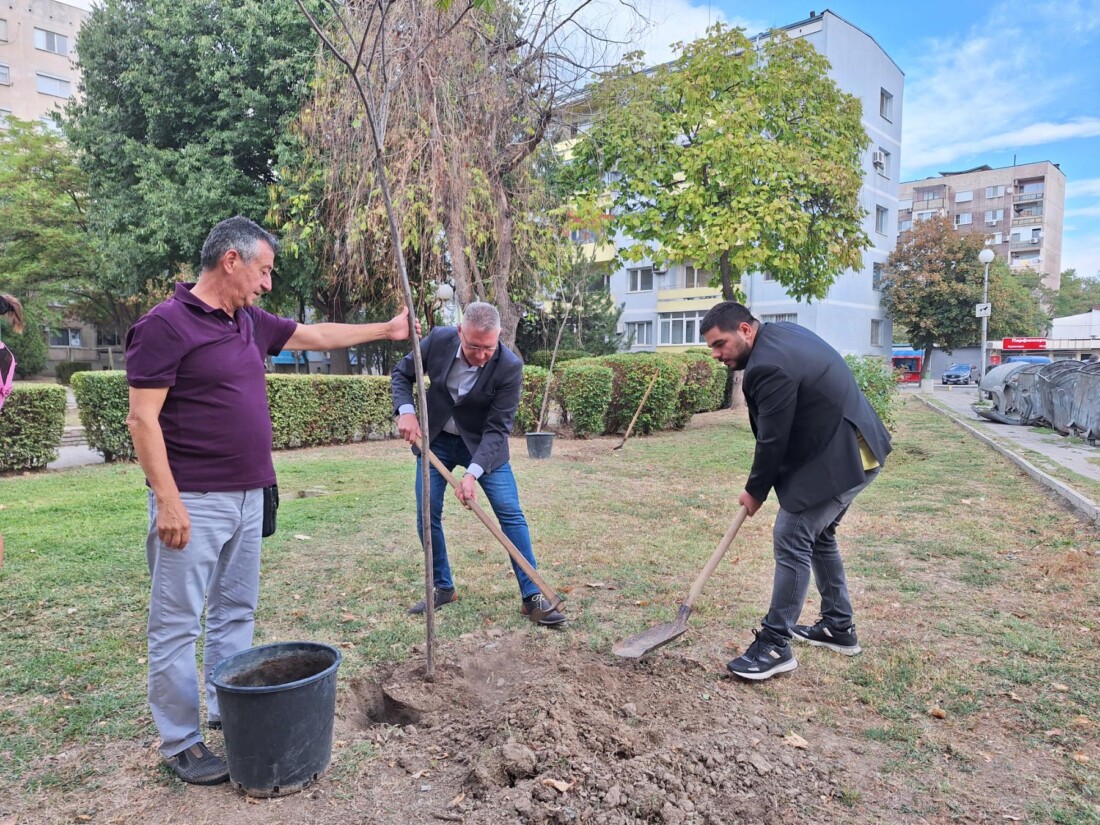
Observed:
{"x":442,"y":597}
{"x":821,"y":635}
{"x":537,"y":608}
{"x":763,"y":660}
{"x":196,"y":765}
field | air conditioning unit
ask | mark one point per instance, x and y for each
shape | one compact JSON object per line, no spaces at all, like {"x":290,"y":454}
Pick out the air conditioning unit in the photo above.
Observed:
{"x":660,"y":270}
{"x":878,"y":159}
{"x":1035,"y":240}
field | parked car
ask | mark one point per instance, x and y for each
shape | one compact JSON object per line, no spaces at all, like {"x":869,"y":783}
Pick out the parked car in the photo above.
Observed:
{"x":958,"y":374}
{"x":1027,"y":359}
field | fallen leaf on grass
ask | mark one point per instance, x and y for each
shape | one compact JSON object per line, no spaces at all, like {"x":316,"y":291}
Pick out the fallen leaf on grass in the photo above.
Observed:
{"x":558,"y":785}
{"x":303,"y":537}
{"x":456,"y":800}
{"x":1014,"y":696}
{"x":937,"y":712}
{"x":1080,"y":757}
{"x":593,"y":584}
{"x":251,"y":800}
{"x":796,"y":741}
{"x":1058,"y":686}
{"x":348,"y":617}
{"x":642,"y":603}
{"x":420,"y":774}
{"x":1082,"y":721}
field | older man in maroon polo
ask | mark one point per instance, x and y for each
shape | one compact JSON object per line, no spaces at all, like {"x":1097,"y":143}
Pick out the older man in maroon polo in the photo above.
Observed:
{"x":202,"y":432}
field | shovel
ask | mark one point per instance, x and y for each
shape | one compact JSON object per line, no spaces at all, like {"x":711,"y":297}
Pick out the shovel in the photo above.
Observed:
{"x":642,"y":643}
{"x":513,"y":551}
{"x":630,"y":429}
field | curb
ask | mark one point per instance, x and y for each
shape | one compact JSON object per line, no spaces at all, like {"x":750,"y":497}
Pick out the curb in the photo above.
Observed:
{"x":1086,"y":506}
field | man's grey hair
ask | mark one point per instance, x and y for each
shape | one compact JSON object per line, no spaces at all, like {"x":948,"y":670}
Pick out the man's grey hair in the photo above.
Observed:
{"x":481,"y":316}
{"x":237,"y":233}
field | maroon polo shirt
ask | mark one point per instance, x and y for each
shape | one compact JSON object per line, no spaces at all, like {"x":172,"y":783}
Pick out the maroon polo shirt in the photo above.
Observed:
{"x":215,"y":419}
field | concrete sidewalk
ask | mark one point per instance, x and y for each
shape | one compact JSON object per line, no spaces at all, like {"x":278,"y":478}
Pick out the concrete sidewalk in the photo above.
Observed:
{"x":1014,"y":442}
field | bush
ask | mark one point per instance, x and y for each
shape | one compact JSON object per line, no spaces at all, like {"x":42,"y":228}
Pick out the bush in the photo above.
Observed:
{"x":31,"y":425}
{"x":29,"y":348}
{"x":65,"y":370}
{"x":697,"y":389}
{"x":541,"y":358}
{"x":586,"y":392}
{"x":103,"y":399}
{"x":530,"y":400}
{"x":632,"y":376}
{"x":714,"y":396}
{"x":878,"y":382}
{"x":312,"y":410}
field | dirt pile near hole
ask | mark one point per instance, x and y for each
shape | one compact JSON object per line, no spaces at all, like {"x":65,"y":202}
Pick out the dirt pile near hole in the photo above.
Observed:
{"x":581,"y":737}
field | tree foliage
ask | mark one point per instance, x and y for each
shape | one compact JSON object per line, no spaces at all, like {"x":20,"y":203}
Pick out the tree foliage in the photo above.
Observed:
{"x":182,"y":110}
{"x":933,"y":280}
{"x":739,"y":156}
{"x":1076,"y":295}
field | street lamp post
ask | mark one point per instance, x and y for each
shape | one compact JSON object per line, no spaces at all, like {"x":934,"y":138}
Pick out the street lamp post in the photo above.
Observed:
{"x":986,"y":257}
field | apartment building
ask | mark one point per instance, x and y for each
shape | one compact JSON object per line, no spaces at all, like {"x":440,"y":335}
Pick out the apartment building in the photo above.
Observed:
{"x":663,"y":308}
{"x":1018,"y":209}
{"x":37,"y":40}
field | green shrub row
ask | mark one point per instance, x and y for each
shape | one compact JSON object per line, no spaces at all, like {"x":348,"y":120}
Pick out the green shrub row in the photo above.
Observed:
{"x":313,"y":410}
{"x":64,"y":371}
{"x":541,"y":358}
{"x":31,"y":425}
{"x":530,"y":400}
{"x":103,"y":399}
{"x":585,"y":392}
{"x":877,"y":380}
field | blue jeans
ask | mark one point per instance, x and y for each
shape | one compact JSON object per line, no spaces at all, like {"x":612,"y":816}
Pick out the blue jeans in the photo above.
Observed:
{"x":805,"y":541}
{"x":500,"y":489}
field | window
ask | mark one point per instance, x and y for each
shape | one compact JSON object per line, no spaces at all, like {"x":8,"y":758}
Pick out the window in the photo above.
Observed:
{"x":1029,"y":187}
{"x":51,"y":42}
{"x":964,"y":197}
{"x":5,"y":75}
{"x":923,"y":216}
{"x":993,"y":216}
{"x":582,"y":236}
{"x":681,"y":328}
{"x":905,"y":225}
{"x":905,"y":204}
{"x":886,"y":104}
{"x":641,"y":280}
{"x":642,"y":332}
{"x":65,"y":338}
{"x":695,"y":278}
{"x":4,"y":115}
{"x":876,"y":276}
{"x":3,"y":31}
{"x":50,"y":124}
{"x":1029,"y":210}
{"x":995,"y":191}
{"x":50,"y":85}
{"x":882,"y":219}
{"x":768,"y":276}
{"x":997,"y":238}
{"x":880,"y":159}
{"x":876,"y":332}
{"x":964,"y":219}
{"x":789,"y":317}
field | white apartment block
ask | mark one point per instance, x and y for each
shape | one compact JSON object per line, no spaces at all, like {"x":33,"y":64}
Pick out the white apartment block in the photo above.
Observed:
{"x":1019,"y":209}
{"x":663,"y":308}
{"x":37,"y":41}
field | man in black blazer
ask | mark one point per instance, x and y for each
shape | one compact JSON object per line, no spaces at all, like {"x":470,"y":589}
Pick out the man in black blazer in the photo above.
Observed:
{"x":472,"y":402}
{"x":818,"y":444}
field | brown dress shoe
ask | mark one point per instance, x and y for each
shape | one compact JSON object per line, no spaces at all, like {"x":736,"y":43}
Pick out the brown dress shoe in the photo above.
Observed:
{"x":441,"y":597}
{"x":538,"y":610}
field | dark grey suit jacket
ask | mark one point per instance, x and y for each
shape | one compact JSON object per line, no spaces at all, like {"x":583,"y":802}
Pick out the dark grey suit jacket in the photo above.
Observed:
{"x":805,"y":408}
{"x":484,"y":415}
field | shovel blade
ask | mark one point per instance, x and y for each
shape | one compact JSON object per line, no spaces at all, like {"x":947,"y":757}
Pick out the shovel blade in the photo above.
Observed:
{"x":638,"y":645}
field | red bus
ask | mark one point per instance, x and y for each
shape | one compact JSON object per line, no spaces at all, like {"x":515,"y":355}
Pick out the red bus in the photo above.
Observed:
{"x":908,"y":364}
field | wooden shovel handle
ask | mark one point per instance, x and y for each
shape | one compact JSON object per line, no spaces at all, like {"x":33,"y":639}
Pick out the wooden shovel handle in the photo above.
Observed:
{"x":723,"y":546}
{"x":513,"y":551}
{"x":641,"y":404}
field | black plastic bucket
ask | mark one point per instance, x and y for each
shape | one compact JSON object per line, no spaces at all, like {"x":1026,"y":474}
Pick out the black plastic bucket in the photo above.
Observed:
{"x":277,"y":705}
{"x":539,"y":445}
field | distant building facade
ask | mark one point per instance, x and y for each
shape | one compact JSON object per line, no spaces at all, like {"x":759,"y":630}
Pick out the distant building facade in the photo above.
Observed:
{"x":37,"y":54}
{"x":1018,"y":209}
{"x":662,"y":308}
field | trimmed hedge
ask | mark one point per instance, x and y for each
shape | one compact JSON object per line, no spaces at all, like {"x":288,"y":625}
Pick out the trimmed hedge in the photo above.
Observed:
{"x":530,"y":400}
{"x":585,"y":391}
{"x":877,"y":381}
{"x":103,"y":399}
{"x":64,"y":371}
{"x":31,"y":425}
{"x":632,"y":375}
{"x":541,"y":357}
{"x":313,"y":410}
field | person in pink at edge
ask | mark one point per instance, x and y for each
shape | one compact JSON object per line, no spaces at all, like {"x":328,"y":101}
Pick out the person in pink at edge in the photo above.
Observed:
{"x":202,"y":431}
{"x":12,"y":309}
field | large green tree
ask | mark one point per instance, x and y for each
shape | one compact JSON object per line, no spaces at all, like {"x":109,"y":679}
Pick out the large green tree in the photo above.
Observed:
{"x":1077,"y":294}
{"x":183,"y":108}
{"x":933,"y":280}
{"x":740,"y":156}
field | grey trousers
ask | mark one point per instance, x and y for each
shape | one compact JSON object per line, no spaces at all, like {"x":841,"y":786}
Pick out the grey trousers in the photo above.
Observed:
{"x":219,"y":569}
{"x":805,"y":541}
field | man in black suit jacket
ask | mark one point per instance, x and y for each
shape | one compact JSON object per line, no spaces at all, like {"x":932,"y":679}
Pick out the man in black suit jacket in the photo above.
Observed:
{"x":472,"y":402}
{"x":818,"y":444}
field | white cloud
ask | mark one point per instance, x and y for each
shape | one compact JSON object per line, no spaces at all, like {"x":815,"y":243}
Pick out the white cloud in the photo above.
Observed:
{"x":1084,"y":212}
{"x":1035,"y":134}
{"x":1082,"y":252}
{"x":1082,"y":188}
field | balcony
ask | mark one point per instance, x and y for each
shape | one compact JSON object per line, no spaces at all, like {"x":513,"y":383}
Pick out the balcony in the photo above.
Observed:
{"x":687,"y":300}
{"x":1033,"y":196}
{"x":1027,"y":220}
{"x":1034,"y":243}
{"x":931,"y":203}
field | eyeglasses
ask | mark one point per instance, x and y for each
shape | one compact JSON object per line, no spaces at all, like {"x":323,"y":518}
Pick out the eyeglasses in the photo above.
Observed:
{"x":477,"y":348}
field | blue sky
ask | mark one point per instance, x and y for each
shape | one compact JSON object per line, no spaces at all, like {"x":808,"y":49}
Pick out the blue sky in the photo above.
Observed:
{"x":985,"y":82}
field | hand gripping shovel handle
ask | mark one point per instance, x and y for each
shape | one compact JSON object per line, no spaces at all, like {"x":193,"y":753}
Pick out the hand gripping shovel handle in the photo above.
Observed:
{"x":719,"y":552}
{"x":513,"y":551}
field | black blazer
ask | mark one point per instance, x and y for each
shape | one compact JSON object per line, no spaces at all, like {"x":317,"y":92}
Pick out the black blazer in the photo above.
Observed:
{"x":804,"y":408}
{"x":484,"y":415}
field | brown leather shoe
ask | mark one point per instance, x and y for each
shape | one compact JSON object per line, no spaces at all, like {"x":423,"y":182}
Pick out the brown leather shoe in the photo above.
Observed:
{"x":538,"y":610}
{"x":441,"y":597}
